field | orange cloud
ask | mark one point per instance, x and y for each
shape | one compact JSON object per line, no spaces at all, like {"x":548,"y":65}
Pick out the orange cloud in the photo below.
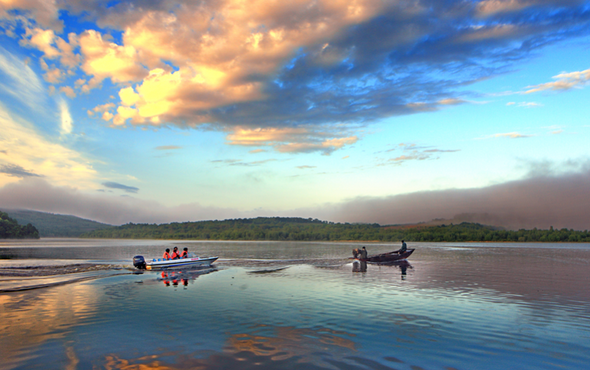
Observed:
{"x":291,"y":139}
{"x":214,"y":57}
{"x":491,"y":7}
{"x":46,"y":13}
{"x":103,"y":59}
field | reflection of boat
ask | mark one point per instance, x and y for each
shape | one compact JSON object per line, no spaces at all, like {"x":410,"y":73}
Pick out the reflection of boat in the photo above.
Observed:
{"x":158,"y":264}
{"x":388,"y":257}
{"x":182,"y":277}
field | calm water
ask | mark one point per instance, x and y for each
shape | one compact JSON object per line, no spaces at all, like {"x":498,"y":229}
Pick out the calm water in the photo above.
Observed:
{"x":302,"y":306}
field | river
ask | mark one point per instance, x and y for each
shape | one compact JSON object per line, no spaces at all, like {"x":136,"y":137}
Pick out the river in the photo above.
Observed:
{"x":294,"y":305}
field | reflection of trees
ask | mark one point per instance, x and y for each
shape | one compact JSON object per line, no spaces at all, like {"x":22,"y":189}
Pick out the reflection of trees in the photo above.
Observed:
{"x":275,"y":347}
{"x":33,"y":317}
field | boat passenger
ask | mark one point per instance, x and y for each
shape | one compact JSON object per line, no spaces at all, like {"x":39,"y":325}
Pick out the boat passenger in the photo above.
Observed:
{"x":166,"y":255}
{"x":404,"y":247}
{"x":184,"y":253}
{"x":364,"y":253}
{"x":175,"y":254}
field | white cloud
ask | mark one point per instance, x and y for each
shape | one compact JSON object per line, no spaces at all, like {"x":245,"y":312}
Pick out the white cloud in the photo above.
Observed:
{"x":510,"y":135}
{"x":23,"y":147}
{"x":21,"y":81}
{"x":67,"y":124}
{"x":565,"y":81}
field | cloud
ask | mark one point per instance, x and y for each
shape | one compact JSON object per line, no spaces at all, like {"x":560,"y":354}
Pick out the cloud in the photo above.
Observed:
{"x":26,"y":148}
{"x":70,"y":93}
{"x":103,"y":59}
{"x":20,"y":81}
{"x":16,"y":171}
{"x":565,"y":81}
{"x":306,"y":167}
{"x":115,"y":185}
{"x":168,"y":147}
{"x":304,"y":63}
{"x":46,"y":13}
{"x":508,"y":135}
{"x":544,"y":198}
{"x":441,"y":151}
{"x":292,"y":139}
{"x":416,"y":153}
{"x":249,"y":164}
{"x":39,"y":195}
{"x":525,"y":104}
{"x":67,"y":124}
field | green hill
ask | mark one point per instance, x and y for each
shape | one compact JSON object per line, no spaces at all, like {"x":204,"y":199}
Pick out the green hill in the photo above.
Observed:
{"x":303,"y":229}
{"x":54,"y":225}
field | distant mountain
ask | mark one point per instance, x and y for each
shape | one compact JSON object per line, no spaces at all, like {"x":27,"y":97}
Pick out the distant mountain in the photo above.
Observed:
{"x":54,"y":225}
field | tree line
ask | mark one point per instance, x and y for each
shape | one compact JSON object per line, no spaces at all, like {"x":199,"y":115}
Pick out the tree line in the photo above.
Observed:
{"x":10,"y":229}
{"x":302,"y":229}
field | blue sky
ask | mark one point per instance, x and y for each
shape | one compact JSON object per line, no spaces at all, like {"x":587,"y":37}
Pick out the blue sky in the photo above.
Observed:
{"x":176,"y":110}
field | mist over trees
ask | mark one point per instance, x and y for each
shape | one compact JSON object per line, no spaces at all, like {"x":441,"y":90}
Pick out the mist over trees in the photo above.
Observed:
{"x":302,"y":229}
{"x":10,"y":229}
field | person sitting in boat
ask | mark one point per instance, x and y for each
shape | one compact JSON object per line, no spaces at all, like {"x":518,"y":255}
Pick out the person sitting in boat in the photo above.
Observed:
{"x":175,"y":254}
{"x":166,"y":255}
{"x":364,"y":253}
{"x":184,"y":253}
{"x":403,"y":248}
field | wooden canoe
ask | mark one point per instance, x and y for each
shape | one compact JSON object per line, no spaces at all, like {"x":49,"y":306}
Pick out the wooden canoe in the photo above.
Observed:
{"x":388,"y":257}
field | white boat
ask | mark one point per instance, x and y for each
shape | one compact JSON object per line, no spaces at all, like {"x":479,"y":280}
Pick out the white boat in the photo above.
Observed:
{"x":158,"y":264}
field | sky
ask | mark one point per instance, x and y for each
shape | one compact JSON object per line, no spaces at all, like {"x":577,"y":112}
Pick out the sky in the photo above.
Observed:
{"x":347,"y":111}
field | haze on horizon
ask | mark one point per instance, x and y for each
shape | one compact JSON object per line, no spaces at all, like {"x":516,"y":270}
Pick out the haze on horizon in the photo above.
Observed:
{"x":348,"y":111}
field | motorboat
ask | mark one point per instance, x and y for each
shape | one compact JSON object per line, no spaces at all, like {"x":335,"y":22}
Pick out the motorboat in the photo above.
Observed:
{"x":158,"y":264}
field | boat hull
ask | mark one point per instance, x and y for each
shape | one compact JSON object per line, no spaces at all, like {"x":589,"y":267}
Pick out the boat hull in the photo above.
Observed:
{"x":184,"y":262}
{"x":388,"y":257}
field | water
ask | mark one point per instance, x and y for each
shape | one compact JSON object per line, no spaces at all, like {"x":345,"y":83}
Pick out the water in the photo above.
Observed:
{"x":271,"y":305}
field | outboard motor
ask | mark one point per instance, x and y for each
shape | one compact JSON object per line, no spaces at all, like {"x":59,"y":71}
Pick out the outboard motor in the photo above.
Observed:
{"x":139,"y":262}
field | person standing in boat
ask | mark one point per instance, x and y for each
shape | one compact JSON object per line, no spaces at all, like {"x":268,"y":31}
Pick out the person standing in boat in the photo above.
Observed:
{"x":175,"y":254}
{"x":364,"y":253}
{"x":166,"y":255}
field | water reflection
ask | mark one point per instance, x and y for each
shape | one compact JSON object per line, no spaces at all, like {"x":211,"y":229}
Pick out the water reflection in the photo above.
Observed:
{"x":34,"y":317}
{"x":359,"y":266}
{"x":266,"y":346}
{"x":403,"y":266}
{"x":182,"y":277}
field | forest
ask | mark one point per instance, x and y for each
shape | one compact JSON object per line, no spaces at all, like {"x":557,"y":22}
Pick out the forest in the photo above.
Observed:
{"x":10,"y":229}
{"x":303,"y":229}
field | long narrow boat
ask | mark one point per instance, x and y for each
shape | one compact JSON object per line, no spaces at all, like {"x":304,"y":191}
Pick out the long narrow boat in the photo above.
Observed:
{"x":159,"y":264}
{"x":388,"y":257}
